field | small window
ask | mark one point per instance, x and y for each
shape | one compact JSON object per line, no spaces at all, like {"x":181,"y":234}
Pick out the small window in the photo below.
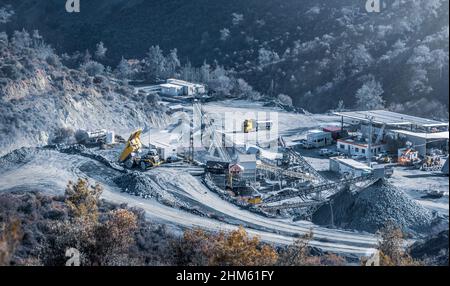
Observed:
{"x":342,"y":146}
{"x":357,"y":150}
{"x":364,"y":151}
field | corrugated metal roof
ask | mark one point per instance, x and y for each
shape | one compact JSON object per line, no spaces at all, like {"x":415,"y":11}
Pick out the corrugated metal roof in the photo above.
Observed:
{"x":351,"y":163}
{"x":391,"y":118}
{"x":169,"y":85}
{"x":437,"y":135}
{"x":332,"y":128}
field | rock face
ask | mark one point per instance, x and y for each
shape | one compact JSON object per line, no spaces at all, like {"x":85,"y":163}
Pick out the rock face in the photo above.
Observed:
{"x":372,"y":208}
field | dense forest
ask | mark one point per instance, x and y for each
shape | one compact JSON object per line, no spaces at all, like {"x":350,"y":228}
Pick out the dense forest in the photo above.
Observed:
{"x":323,"y":54}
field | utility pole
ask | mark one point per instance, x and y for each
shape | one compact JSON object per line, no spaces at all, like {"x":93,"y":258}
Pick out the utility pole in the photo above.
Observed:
{"x":369,"y":151}
{"x":224,"y":138}
{"x":191,"y":142}
{"x":150,"y":137}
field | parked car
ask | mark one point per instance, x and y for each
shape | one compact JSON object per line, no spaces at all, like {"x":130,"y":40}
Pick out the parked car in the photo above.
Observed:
{"x":336,"y":154}
{"x":358,"y":157}
{"x":325,"y":152}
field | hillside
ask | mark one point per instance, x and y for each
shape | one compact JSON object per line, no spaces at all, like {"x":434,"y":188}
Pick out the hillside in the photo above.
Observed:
{"x":43,"y":101}
{"x":316,"y":52}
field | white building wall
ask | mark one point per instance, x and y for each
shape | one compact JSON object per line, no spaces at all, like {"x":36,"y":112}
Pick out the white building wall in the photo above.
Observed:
{"x":319,"y":139}
{"x":358,"y":150}
{"x":171,"y":91}
{"x":340,"y":167}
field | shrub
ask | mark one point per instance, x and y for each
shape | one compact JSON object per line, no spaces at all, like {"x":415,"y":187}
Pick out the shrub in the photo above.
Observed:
{"x":93,"y":68}
{"x":391,"y":248}
{"x":10,"y":235}
{"x":236,"y":248}
{"x":63,"y":135}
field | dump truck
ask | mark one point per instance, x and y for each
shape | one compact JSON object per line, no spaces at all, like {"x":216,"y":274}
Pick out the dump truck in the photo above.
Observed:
{"x":131,"y":155}
{"x":251,"y":125}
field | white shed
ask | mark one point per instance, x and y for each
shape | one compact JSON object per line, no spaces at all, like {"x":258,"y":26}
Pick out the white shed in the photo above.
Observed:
{"x":165,"y":151}
{"x":318,"y":138}
{"x":349,"y":166}
{"x":171,"y":89}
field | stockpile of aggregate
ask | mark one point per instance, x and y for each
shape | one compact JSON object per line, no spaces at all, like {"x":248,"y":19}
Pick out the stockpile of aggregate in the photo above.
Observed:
{"x":139,"y":184}
{"x":17,"y":157}
{"x":373,"y":207}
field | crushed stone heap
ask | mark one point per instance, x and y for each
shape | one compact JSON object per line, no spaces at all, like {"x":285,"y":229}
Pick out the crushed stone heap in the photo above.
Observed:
{"x":372,"y":208}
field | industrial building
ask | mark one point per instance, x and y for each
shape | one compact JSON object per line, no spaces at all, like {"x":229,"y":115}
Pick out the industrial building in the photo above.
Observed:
{"x":248,"y":162}
{"x":176,"y":87}
{"x":355,"y":147}
{"x":318,"y":138}
{"x":336,"y":131}
{"x":349,"y":166}
{"x":392,"y":120}
{"x":165,"y":151}
{"x":171,"y":89}
{"x":424,"y":134}
{"x":424,"y":142}
{"x":189,"y":88}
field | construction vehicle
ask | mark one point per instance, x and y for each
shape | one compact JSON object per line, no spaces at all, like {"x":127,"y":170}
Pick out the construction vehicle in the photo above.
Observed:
{"x":252,"y":200}
{"x":383,"y":159}
{"x":431,"y":163}
{"x":256,"y":200}
{"x":131,"y":157}
{"x":251,"y":125}
{"x":408,"y":157}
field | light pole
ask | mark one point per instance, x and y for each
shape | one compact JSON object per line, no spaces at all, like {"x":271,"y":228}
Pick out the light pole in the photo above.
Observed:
{"x":369,"y":151}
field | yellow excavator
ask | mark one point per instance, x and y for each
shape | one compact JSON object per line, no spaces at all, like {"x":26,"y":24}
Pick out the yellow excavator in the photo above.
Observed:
{"x":131,"y":158}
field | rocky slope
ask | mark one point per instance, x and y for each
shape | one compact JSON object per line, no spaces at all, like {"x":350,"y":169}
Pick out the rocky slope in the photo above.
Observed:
{"x":43,"y":101}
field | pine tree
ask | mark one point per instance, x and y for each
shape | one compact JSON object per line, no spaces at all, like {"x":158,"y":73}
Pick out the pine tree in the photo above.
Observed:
{"x":369,"y":96}
{"x":100,"y":51}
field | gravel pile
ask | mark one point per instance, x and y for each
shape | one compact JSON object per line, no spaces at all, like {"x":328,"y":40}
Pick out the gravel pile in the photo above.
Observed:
{"x":434,"y":249}
{"x":372,"y":208}
{"x":82,"y":150}
{"x":141,"y":185}
{"x":17,"y":158}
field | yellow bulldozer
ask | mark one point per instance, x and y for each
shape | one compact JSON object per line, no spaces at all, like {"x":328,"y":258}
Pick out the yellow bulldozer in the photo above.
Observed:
{"x":131,"y":154}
